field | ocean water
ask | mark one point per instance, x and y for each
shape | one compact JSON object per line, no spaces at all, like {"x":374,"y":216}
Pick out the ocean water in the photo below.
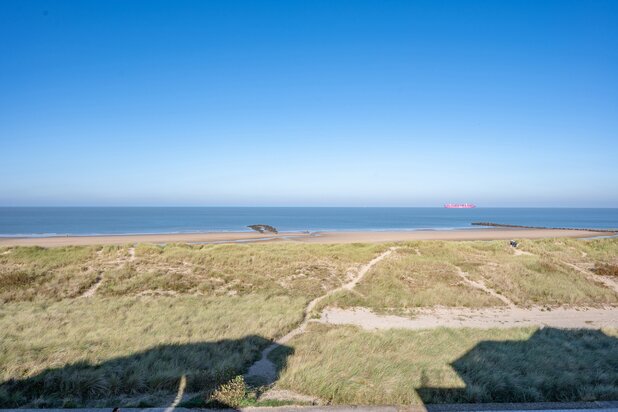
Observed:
{"x":50,"y":221}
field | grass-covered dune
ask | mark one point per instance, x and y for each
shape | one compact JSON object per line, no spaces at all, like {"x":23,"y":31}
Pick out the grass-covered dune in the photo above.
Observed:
{"x":219,"y":305}
{"x":344,"y":365}
{"x":125,"y":325}
{"x":36,"y":273}
{"x":538,"y":273}
{"x":132,"y":350}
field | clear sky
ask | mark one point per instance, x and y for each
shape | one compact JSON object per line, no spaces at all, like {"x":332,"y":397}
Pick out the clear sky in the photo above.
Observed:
{"x":343,"y":103}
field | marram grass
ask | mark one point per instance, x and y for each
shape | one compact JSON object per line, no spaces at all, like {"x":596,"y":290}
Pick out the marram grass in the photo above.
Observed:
{"x":204,"y":312}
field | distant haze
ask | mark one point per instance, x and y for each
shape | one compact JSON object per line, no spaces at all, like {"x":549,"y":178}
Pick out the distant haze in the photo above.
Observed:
{"x":314,"y":103}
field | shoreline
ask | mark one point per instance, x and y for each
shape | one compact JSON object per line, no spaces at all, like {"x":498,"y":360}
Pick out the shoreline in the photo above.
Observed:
{"x":493,"y":233}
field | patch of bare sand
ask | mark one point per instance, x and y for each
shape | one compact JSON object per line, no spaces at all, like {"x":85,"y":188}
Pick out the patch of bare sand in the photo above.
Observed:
{"x":587,"y":318}
{"x":519,"y":252}
{"x":93,"y":289}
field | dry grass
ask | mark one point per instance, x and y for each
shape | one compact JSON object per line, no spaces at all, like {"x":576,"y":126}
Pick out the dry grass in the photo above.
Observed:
{"x":345,"y":365}
{"x":215,"y":270}
{"x":106,"y":352}
{"x":539,"y":278}
{"x":205,"y":311}
{"x":36,"y":273}
{"x":407,"y":280}
{"x":575,"y":251}
{"x":424,"y":274}
{"x":201,"y":311}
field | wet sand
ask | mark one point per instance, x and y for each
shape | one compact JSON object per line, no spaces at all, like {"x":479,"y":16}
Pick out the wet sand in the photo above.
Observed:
{"x":322,"y":237}
{"x":213,"y":237}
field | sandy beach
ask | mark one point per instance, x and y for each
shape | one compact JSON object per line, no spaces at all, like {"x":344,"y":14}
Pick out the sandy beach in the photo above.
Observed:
{"x":320,"y":237}
{"x":463,"y":234}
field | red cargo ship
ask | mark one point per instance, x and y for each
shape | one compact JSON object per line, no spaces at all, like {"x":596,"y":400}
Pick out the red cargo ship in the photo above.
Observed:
{"x":459,"y":206}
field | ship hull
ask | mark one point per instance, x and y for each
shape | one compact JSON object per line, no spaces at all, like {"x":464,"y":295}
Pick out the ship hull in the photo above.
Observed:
{"x":459,"y":206}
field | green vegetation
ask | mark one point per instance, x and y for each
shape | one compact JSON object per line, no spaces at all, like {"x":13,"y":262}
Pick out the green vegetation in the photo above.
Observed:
{"x":34,"y":273}
{"x":104,"y":352}
{"x":159,"y":312}
{"x":425,"y":274}
{"x":28,"y":273}
{"x":408,"y":280}
{"x":344,"y":365}
{"x":122,"y":325}
{"x":222,"y":270}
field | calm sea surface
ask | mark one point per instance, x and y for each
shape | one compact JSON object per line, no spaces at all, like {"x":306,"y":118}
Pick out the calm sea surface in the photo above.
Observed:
{"x":49,"y":221}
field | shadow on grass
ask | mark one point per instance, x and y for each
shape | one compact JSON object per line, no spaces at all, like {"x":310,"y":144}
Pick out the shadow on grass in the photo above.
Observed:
{"x":553,"y":365}
{"x":209,"y":372}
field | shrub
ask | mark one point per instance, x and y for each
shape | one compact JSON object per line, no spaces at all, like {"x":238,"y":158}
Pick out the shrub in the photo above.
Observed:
{"x":230,"y":394}
{"x":605,"y":269}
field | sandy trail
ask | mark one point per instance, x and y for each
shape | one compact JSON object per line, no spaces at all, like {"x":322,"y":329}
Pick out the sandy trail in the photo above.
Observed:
{"x":588,"y":318}
{"x":264,"y":368}
{"x":481,"y":286}
{"x":99,"y":279}
{"x":93,"y":289}
{"x":610,"y":283}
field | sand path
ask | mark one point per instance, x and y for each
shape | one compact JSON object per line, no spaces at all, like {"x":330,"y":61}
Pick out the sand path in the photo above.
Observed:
{"x":92,"y":290}
{"x":588,"y":318}
{"x":610,"y":283}
{"x":264,"y":368}
{"x":519,"y":252}
{"x":481,"y":286}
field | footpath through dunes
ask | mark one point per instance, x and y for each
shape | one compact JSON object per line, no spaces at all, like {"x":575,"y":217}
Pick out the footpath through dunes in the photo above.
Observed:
{"x":264,"y":370}
{"x":600,"y":308}
{"x":213,"y":307}
{"x":319,"y":323}
{"x":452,"y":322}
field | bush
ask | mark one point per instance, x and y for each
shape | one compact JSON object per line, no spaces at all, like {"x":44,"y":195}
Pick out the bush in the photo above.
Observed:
{"x":605,"y":269}
{"x":230,"y":394}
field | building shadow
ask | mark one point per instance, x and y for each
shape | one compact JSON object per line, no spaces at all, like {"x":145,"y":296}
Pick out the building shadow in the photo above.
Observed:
{"x":143,"y":378}
{"x":553,"y":365}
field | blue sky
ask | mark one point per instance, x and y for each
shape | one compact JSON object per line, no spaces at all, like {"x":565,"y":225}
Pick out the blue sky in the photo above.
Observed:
{"x":342,"y":103}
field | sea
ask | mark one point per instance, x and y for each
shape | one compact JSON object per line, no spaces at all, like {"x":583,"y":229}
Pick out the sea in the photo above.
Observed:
{"x":91,"y":221}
